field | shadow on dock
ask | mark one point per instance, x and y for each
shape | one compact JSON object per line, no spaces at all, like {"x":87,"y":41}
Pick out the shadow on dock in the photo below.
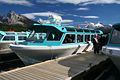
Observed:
{"x":105,"y":70}
{"x":10,"y":61}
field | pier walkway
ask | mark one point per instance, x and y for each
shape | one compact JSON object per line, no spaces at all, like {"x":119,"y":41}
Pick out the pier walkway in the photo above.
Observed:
{"x":58,"y":69}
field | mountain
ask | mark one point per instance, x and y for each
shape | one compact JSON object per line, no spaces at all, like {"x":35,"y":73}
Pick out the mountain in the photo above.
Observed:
{"x":99,"y":26}
{"x":13,"y":18}
{"x":106,"y":29}
{"x":93,"y":25}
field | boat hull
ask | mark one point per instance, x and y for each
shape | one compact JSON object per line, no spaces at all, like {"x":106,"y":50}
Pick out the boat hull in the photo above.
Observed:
{"x":4,"y":47}
{"x":114,"y":54}
{"x":35,"y":54}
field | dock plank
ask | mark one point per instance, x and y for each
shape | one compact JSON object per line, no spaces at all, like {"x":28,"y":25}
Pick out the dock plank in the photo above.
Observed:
{"x":57,"y":69}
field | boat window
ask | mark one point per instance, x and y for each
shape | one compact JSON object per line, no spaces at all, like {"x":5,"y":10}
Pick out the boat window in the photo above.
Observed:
{"x":86,"y":30}
{"x":1,"y":36}
{"x":10,"y":33}
{"x":92,"y":36}
{"x":97,"y":31}
{"x":10,"y":38}
{"x":115,"y":38}
{"x":79,"y":38}
{"x":70,"y":29}
{"x":22,"y":37}
{"x":69,"y":38}
{"x":40,"y":36}
{"x":92,"y":31}
{"x":21,"y":33}
{"x":87,"y":38}
{"x":33,"y":36}
{"x":79,"y":30}
{"x":54,"y":36}
{"x":32,"y":33}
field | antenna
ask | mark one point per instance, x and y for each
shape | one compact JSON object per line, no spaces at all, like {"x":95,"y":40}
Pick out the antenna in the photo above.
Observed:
{"x":55,"y":19}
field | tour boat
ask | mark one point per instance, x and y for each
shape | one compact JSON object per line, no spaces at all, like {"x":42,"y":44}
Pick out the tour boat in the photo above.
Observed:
{"x":8,"y":37}
{"x":59,"y":41}
{"x":112,"y":49}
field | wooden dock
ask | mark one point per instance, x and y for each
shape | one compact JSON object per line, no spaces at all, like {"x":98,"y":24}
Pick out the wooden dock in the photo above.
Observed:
{"x":5,"y":51}
{"x":57,"y":69}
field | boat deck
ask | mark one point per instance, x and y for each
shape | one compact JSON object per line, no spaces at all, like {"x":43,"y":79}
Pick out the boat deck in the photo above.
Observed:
{"x":58,"y":69}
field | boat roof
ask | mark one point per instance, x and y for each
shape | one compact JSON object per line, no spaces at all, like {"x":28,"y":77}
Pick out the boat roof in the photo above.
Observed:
{"x":65,"y":29}
{"x":2,"y":32}
{"x":13,"y":33}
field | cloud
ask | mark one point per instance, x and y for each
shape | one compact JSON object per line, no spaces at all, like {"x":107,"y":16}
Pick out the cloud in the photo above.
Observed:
{"x":45,"y":14}
{"x":59,"y":1}
{"x":67,"y":21}
{"x":84,"y":9}
{"x":33,"y":15}
{"x":47,"y":1}
{"x":82,"y":2}
{"x":102,"y":2}
{"x":68,"y":14}
{"x":75,"y":15}
{"x":29,"y":15}
{"x":19,"y":2}
{"x":92,"y":17}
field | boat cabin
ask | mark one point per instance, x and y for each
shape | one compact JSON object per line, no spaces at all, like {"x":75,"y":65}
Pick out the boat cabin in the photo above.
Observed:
{"x":62,"y":35}
{"x":115,"y":36}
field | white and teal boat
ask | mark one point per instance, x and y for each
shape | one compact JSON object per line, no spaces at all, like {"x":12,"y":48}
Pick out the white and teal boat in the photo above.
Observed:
{"x":8,"y":37}
{"x":112,"y":49}
{"x":59,"y":41}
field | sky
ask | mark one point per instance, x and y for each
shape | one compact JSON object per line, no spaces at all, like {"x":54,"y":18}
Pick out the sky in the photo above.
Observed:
{"x":73,"y":12}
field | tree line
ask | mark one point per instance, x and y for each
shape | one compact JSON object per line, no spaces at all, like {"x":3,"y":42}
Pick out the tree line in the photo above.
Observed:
{"x":12,"y":27}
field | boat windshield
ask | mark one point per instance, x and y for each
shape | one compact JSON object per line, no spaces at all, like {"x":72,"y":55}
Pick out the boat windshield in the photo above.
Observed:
{"x":54,"y":36}
{"x":52,"y":33}
{"x":115,"y":37}
{"x":33,"y":36}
